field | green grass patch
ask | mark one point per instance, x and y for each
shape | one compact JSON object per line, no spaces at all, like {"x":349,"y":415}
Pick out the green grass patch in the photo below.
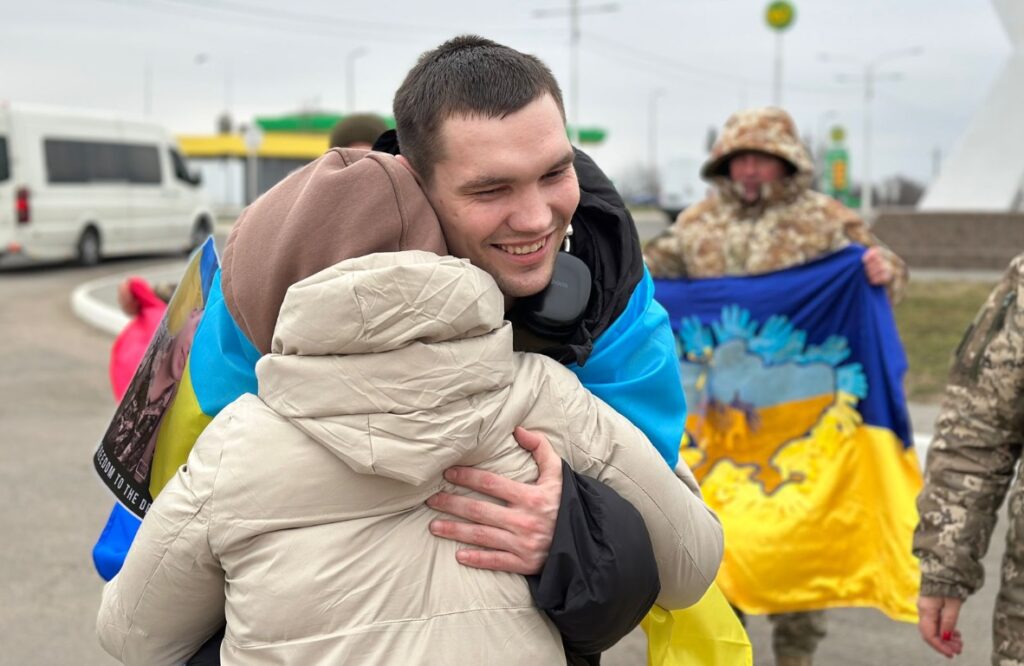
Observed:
{"x":932,"y":318}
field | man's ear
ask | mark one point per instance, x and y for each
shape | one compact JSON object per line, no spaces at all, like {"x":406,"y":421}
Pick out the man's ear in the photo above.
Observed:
{"x":404,"y":162}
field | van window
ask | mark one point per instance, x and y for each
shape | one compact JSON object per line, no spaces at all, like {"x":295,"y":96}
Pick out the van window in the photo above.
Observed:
{"x":66,"y":161}
{"x":181,"y":171}
{"x":71,"y":161}
{"x":5,"y":170}
{"x":143,"y":164}
{"x":104,"y":162}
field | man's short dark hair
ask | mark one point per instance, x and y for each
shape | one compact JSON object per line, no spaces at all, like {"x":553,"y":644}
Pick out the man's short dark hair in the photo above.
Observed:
{"x":469,"y":76}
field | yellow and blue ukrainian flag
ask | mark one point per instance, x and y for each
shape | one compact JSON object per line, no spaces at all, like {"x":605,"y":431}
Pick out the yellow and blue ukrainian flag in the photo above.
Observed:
{"x":798,"y":431}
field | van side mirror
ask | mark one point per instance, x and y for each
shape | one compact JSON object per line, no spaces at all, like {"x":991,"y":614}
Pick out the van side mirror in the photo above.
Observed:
{"x":195,"y":178}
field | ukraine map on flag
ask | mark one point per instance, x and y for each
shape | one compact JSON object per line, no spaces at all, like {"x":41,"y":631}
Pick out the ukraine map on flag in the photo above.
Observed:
{"x":799,"y":434}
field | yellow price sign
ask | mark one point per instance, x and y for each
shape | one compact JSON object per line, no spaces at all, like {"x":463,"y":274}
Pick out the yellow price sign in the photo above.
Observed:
{"x":780,"y":14}
{"x":839,"y":176}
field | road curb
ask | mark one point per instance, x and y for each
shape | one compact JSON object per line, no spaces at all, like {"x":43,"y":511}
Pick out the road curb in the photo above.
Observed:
{"x":107,"y":317}
{"x":94,"y":312}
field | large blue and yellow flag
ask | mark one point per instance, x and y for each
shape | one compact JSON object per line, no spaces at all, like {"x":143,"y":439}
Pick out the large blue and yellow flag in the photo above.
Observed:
{"x":799,"y":434}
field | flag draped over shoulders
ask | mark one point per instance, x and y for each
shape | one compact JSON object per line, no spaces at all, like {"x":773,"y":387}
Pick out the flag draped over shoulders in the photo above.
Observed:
{"x":632,"y":368}
{"x":156,"y":332}
{"x":798,"y":430}
{"x":221,"y":368}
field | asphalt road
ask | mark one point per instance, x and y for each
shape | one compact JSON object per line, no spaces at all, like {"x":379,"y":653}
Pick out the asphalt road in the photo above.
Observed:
{"x":54,"y":404}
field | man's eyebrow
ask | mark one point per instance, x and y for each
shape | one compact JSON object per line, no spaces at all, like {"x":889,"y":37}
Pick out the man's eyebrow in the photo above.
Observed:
{"x":566,"y":160}
{"x":483,"y":183}
{"x":488,"y":182}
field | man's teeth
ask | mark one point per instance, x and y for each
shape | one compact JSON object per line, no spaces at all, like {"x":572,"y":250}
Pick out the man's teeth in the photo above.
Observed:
{"x":523,"y":249}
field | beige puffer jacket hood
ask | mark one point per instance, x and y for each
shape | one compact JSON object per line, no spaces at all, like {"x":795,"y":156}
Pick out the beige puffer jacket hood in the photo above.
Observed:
{"x":328,"y":361}
{"x":300,"y":515}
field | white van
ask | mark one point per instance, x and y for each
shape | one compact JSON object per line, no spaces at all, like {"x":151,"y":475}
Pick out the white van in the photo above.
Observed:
{"x":81,"y":186}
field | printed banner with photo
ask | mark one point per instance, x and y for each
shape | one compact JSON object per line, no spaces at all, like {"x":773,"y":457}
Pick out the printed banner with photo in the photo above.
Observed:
{"x":799,"y":434}
{"x":126,"y":454}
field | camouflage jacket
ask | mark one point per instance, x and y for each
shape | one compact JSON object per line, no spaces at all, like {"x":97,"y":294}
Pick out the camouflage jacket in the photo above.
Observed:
{"x":977,"y":447}
{"x":788,"y":225}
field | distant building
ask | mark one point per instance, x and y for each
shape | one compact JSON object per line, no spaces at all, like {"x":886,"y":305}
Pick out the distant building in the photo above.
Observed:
{"x":287,"y":143}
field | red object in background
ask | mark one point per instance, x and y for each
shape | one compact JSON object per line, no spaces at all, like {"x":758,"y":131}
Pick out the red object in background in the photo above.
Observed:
{"x":22,"y":207}
{"x":131,"y":343}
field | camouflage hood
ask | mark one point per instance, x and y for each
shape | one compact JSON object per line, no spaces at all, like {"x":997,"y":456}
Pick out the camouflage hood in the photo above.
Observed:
{"x":766,"y":130}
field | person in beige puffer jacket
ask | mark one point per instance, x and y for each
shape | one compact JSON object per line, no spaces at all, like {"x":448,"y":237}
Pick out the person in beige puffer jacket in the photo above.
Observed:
{"x":300,"y":516}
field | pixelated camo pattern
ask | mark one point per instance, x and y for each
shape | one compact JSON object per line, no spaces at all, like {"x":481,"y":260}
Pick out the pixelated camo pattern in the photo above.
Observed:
{"x":789,"y":225}
{"x":973,"y":463}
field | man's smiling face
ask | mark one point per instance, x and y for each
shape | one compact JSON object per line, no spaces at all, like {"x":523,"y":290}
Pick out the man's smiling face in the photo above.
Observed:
{"x":505,"y":191}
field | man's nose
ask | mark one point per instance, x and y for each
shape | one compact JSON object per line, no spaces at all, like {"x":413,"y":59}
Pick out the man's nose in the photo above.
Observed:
{"x":532,"y":214}
{"x":745,"y":164}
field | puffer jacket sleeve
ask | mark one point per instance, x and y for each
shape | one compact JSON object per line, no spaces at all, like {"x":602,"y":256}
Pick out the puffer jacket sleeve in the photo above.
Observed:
{"x":169,"y":596}
{"x":686,"y":535}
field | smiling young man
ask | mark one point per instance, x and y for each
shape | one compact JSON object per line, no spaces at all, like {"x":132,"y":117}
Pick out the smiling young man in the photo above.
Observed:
{"x":482,"y":127}
{"x":506,"y":190}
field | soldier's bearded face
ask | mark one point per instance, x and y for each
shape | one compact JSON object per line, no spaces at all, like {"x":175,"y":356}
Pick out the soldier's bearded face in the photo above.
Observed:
{"x":505,"y":191}
{"x":752,"y":170}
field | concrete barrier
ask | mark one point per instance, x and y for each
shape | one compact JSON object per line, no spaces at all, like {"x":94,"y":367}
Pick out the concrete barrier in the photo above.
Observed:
{"x":952,"y":240}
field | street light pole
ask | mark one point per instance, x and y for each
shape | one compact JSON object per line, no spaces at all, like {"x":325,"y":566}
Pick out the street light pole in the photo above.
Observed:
{"x":204,"y":58}
{"x":147,"y":89}
{"x":350,"y":77}
{"x":574,"y":12}
{"x":227,"y":88}
{"x":779,"y":15}
{"x":652,"y":140}
{"x":777,"y":88}
{"x":870,"y":73}
{"x":822,"y":139}
{"x":574,"y":70}
{"x":867,"y":186}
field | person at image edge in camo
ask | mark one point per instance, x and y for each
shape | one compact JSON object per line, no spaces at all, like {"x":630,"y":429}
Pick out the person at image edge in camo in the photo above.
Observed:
{"x":972,"y":463}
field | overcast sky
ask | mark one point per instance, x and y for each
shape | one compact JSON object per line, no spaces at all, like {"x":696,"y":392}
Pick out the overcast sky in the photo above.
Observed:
{"x":710,"y":57}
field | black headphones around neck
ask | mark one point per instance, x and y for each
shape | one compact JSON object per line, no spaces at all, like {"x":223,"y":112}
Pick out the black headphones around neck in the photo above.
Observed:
{"x":555,"y":312}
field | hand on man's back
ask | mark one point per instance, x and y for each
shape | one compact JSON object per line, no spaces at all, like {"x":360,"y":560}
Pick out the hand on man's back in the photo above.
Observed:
{"x":518,"y":535}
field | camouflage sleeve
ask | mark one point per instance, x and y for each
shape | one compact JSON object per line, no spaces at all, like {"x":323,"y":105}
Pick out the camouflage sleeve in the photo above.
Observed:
{"x":976,"y":447}
{"x":664,"y":255}
{"x":857,"y":231}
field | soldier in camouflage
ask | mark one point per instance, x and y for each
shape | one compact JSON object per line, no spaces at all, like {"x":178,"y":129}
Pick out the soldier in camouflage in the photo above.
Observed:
{"x":971,"y":466}
{"x":761,"y":217}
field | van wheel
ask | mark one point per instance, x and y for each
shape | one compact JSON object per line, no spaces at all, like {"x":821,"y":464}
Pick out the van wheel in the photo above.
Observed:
{"x":200,"y":232}
{"x":89,"y":248}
